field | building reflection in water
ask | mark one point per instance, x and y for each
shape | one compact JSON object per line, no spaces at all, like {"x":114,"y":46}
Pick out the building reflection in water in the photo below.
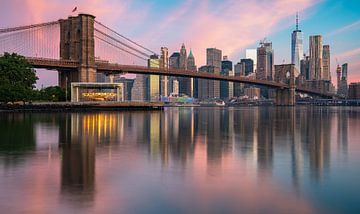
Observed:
{"x":258,"y":135}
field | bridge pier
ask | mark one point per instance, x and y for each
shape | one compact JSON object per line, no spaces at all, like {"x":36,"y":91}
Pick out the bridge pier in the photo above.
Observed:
{"x":285,"y":74}
{"x":77,"y":43}
{"x":285,"y":97}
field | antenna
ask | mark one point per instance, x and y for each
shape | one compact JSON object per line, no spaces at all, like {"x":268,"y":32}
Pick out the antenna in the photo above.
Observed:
{"x":297,"y":21}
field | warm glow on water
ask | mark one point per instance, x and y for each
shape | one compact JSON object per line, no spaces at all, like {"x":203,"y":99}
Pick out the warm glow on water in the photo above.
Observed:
{"x":182,"y":160}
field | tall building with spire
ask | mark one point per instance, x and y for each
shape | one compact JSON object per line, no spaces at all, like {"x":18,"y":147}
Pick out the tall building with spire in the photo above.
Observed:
{"x":184,"y":82}
{"x":297,"y":46}
{"x":191,"y":66}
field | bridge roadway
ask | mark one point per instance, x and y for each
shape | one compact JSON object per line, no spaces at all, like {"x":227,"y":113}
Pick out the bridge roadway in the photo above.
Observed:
{"x":111,"y":68}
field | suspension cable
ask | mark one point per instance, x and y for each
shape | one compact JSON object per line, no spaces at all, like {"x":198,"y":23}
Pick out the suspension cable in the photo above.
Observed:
{"x":153,"y":52}
{"x":7,"y":30}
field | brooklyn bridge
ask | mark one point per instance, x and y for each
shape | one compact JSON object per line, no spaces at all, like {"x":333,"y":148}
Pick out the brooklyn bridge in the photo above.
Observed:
{"x":78,"y":47}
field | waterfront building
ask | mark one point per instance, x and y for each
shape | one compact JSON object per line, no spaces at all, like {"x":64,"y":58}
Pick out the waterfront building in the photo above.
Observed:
{"x":252,"y":93}
{"x":128,"y":85}
{"x":265,"y":61}
{"x":226,"y":87}
{"x":153,"y":88}
{"x":164,"y":64}
{"x":296,"y":47}
{"x":138,"y":91}
{"x":316,"y":54}
{"x":326,"y":75}
{"x":213,"y":58}
{"x":252,"y":54}
{"x":354,"y":91}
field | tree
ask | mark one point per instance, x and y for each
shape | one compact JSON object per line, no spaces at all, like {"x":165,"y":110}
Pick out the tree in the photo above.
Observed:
{"x":52,"y":93}
{"x":17,"y":78}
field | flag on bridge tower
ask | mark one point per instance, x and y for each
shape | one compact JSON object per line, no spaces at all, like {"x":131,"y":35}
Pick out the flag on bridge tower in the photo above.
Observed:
{"x":74,"y":9}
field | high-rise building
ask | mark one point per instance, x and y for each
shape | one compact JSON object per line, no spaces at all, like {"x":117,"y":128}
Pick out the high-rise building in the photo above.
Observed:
{"x":191,"y":66}
{"x":354,"y":91}
{"x":252,"y":54}
{"x":239,"y":70}
{"x":296,"y":47}
{"x":343,"y":86}
{"x":138,"y":91}
{"x":174,"y":63}
{"x":316,"y":54}
{"x":265,"y":62}
{"x":213,"y":58}
{"x":153,"y":80}
{"x":338,"y":76}
{"x":305,"y":67}
{"x":164,"y":64}
{"x":206,"y":87}
{"x":249,"y":66}
{"x":326,"y":75}
{"x":184,"y":82}
{"x":226,"y":87}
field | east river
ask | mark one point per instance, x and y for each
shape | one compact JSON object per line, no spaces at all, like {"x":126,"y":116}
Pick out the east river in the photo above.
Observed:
{"x":182,"y":160}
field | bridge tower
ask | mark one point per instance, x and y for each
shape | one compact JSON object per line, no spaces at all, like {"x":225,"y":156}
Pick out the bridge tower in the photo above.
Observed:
{"x":285,"y":74}
{"x":77,"y":43}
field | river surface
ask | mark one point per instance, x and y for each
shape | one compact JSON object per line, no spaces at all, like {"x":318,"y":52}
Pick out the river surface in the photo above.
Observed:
{"x":182,"y":160}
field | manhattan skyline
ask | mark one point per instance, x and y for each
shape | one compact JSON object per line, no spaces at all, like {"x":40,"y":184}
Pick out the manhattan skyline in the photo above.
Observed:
{"x":235,"y":25}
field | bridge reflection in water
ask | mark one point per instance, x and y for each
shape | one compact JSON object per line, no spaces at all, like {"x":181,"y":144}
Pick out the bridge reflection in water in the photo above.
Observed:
{"x":259,"y":155}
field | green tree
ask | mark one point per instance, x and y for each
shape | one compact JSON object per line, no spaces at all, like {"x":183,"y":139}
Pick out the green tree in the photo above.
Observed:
{"x":17,"y":78}
{"x":52,"y":93}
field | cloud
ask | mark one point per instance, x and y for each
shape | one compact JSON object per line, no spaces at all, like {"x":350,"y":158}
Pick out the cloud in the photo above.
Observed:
{"x":350,"y":27}
{"x":229,"y":25}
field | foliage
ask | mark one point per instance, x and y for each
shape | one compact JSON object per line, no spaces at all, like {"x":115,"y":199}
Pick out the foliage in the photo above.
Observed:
{"x":52,"y":93}
{"x":17,"y":78}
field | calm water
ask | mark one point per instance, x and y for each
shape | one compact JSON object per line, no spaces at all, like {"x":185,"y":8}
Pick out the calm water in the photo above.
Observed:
{"x":182,"y":160}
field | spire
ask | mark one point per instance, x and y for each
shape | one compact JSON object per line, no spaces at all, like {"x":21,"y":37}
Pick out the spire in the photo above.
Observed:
{"x":191,"y":54}
{"x":297,"y":21}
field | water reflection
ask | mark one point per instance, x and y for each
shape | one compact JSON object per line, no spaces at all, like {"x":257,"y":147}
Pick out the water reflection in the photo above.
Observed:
{"x":209,"y":155}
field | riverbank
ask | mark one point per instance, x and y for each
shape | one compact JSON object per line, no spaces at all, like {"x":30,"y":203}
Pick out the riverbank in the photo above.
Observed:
{"x":81,"y":106}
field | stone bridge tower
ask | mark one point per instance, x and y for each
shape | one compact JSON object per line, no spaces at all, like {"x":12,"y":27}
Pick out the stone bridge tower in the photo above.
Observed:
{"x":285,"y":74}
{"x":77,"y":43}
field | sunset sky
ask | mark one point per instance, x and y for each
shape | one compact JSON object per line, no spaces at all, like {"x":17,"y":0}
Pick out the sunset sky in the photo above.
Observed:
{"x":230,"y":25}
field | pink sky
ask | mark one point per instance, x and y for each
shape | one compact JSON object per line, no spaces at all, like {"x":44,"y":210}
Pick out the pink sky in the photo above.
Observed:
{"x":231,"y":26}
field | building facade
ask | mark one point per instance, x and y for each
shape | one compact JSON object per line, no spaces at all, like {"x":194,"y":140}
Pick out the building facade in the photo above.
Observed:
{"x":316,"y":54}
{"x":226,"y":87}
{"x":153,"y":89}
{"x":265,"y":62}
{"x":164,"y":64}
{"x":354,"y":91}
{"x":326,"y":75}
{"x":213,"y":58}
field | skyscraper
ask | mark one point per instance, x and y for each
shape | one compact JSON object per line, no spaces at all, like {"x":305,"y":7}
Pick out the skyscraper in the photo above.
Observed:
{"x":326,"y":75}
{"x":343,"y":86}
{"x":213,"y":58}
{"x":226,"y":87}
{"x":265,"y":61}
{"x":305,"y":67}
{"x":251,"y":54}
{"x":174,"y":63}
{"x":164,"y":63}
{"x":206,"y":87}
{"x":153,"y":88}
{"x":316,"y":54}
{"x":184,"y":82}
{"x":296,"y":47}
{"x":191,"y":66}
{"x":249,"y":66}
{"x":338,"y":76}
{"x":239,"y":70}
